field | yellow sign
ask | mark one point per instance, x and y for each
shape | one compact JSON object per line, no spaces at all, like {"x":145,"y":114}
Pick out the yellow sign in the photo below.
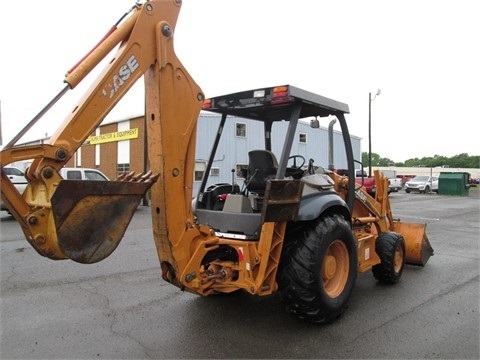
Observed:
{"x":114,"y":136}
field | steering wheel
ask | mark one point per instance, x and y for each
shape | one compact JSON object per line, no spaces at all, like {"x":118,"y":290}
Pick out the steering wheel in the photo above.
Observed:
{"x":295,"y":157}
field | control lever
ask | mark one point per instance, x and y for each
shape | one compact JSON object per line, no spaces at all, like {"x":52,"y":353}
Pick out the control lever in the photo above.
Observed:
{"x":233,"y":181}
{"x":311,"y":171}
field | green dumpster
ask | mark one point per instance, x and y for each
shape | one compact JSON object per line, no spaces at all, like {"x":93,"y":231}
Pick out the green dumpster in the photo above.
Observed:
{"x":453,"y":183}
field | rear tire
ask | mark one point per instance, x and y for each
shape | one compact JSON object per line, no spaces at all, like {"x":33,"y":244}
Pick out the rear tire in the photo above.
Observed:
{"x":390,"y":247}
{"x":318,"y":269}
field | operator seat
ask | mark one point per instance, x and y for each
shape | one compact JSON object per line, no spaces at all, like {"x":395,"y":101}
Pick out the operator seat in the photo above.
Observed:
{"x":262,"y":166}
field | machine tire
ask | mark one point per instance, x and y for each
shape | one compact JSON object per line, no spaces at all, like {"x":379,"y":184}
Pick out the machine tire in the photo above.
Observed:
{"x":318,"y":269}
{"x":427,"y":189}
{"x":390,"y":247}
{"x":407,"y":191}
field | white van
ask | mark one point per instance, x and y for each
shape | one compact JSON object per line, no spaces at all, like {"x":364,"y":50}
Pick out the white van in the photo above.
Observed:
{"x":82,"y":174}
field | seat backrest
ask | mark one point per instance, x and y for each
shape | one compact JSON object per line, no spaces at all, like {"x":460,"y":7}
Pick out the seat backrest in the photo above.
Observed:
{"x":262,"y":166}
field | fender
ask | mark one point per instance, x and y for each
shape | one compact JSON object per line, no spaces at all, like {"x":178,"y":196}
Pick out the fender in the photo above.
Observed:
{"x":313,"y":205}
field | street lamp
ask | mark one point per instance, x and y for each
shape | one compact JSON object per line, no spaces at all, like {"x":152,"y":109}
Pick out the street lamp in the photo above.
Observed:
{"x":370,"y":131}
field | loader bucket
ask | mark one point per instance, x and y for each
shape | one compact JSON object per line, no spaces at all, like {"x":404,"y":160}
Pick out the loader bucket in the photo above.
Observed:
{"x":418,"y":247}
{"x":91,"y":217}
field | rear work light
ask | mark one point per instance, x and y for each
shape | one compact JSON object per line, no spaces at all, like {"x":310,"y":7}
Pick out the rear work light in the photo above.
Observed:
{"x":207,"y":104}
{"x":280,"y":95}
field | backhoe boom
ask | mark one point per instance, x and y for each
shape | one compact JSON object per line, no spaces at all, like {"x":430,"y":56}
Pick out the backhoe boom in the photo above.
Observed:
{"x":145,"y":48}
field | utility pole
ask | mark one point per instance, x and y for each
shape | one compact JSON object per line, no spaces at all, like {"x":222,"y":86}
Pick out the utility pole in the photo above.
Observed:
{"x":370,"y":130}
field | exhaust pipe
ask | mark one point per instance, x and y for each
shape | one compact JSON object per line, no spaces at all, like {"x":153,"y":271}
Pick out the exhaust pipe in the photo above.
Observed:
{"x":331,"y":166}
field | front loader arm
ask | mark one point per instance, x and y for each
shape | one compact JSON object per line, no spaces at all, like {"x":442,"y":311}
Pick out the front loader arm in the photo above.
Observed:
{"x":85,"y":221}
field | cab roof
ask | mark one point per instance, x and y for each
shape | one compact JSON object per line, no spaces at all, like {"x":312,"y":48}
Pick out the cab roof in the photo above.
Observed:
{"x":274,"y":104}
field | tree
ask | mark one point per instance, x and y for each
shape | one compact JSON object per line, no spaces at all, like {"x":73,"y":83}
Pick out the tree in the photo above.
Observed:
{"x":376,"y":160}
{"x":458,"y":161}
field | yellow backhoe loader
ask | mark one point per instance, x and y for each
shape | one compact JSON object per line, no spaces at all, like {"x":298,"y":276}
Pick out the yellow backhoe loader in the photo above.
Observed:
{"x":291,"y":227}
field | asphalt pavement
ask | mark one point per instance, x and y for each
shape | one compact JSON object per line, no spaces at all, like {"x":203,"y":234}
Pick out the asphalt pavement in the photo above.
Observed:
{"x":121,"y":308}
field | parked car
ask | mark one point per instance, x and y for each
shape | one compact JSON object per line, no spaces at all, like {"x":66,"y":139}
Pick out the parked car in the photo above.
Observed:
{"x":405,"y":178}
{"x":422,"y":184}
{"x":394,"y":184}
{"x":17,"y":177}
{"x":474,"y":181}
{"x":82,"y":174}
{"x":361,"y":179}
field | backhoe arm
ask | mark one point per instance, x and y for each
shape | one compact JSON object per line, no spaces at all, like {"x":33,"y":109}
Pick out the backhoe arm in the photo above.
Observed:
{"x":85,"y":221}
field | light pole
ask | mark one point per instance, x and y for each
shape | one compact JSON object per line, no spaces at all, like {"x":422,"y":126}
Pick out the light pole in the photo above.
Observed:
{"x":370,"y":131}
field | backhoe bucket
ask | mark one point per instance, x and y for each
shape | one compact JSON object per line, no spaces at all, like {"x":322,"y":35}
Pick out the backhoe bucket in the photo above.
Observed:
{"x":91,"y":217}
{"x":418,"y":247}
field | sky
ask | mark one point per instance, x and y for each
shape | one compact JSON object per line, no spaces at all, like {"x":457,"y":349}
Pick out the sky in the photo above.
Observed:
{"x":423,"y":55}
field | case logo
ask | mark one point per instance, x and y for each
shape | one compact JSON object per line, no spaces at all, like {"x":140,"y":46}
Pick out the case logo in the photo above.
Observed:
{"x":121,"y":77}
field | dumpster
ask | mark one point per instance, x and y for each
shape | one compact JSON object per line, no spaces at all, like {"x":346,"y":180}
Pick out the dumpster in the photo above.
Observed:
{"x":454,"y":183}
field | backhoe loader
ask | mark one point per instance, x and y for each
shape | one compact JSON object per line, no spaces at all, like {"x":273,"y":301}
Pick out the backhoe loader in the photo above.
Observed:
{"x":295,"y":228}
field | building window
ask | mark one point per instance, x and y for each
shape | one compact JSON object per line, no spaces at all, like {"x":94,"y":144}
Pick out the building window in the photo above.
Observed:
{"x":302,"y":138}
{"x":200,"y":167}
{"x":241,"y":130}
{"x":123,"y":168}
{"x":215,"y":171}
{"x":241,"y":171}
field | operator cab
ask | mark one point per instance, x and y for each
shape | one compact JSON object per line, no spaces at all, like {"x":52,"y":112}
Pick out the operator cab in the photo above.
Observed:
{"x":275,"y":184}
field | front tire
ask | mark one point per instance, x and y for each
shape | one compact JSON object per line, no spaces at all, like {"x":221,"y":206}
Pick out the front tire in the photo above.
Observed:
{"x":390,"y":248}
{"x":318,"y":269}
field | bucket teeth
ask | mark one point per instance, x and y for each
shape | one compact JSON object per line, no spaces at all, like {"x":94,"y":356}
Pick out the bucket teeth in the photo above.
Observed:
{"x":142,"y":177}
{"x":149,"y":177}
{"x":125,"y":176}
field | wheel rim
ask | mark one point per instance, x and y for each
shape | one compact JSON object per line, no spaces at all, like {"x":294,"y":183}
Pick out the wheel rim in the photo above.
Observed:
{"x":335,"y":268}
{"x":398,"y":259}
